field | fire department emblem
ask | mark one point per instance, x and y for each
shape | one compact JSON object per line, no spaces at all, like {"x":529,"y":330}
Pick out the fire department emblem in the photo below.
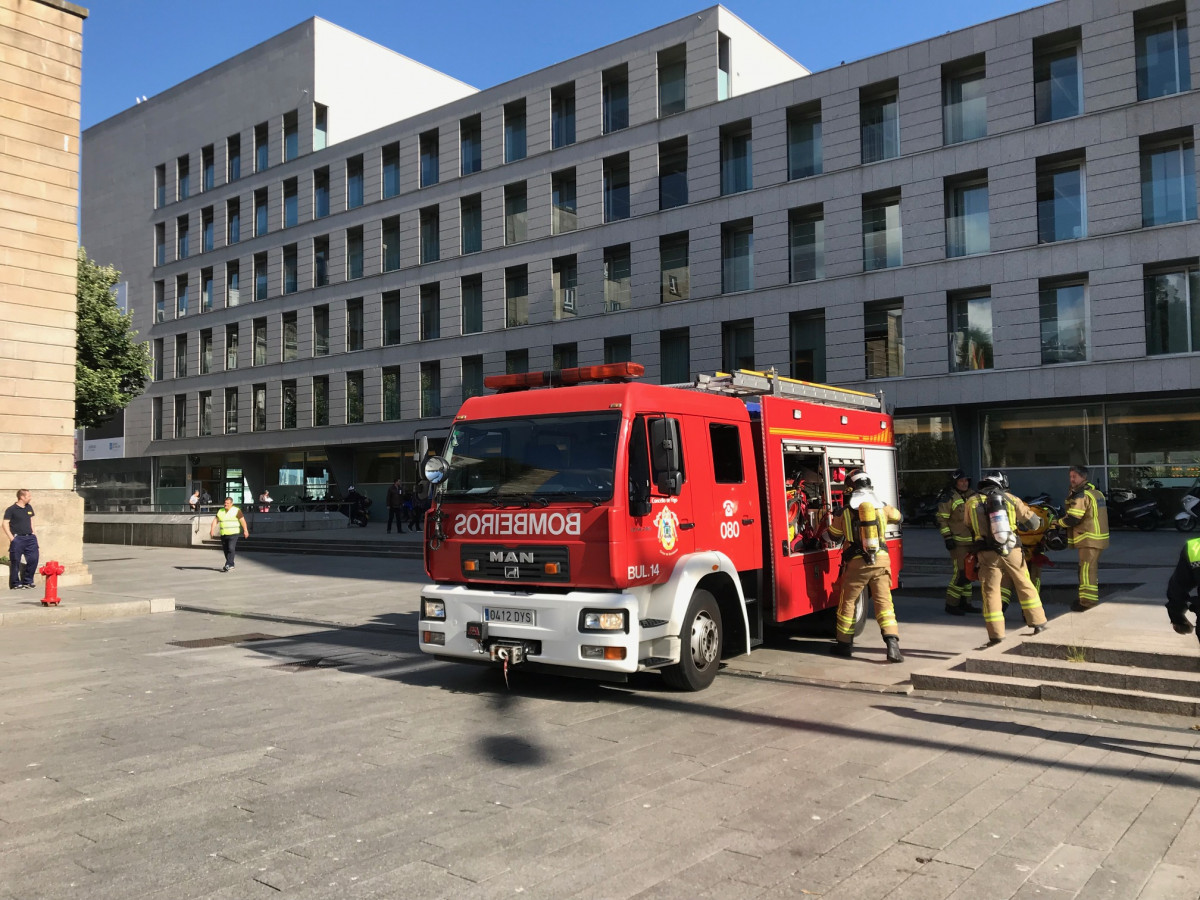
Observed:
{"x":667,"y":524}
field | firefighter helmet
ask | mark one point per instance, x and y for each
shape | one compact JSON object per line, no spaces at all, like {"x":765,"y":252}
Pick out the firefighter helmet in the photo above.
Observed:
{"x":857,"y":479}
{"x":1055,"y":538}
{"x":993,"y":480}
{"x":957,"y":475}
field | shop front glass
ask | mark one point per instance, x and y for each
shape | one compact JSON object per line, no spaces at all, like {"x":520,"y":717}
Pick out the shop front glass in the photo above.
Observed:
{"x":925,"y":455}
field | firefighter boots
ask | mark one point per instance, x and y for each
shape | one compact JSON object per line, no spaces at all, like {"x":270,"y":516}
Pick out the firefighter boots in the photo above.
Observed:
{"x":893,"y":648}
{"x":842,"y":648}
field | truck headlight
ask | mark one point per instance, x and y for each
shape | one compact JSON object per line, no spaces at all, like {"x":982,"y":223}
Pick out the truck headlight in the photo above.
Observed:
{"x":604,"y":620}
{"x":433,"y":609}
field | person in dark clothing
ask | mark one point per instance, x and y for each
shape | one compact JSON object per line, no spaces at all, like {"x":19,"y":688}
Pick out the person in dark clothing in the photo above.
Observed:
{"x":395,"y":507}
{"x":22,"y":542}
{"x":1184,"y":580}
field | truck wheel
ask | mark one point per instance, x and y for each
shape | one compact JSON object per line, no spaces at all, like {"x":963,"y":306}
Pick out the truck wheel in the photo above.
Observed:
{"x":861,"y":606}
{"x":700,"y":655}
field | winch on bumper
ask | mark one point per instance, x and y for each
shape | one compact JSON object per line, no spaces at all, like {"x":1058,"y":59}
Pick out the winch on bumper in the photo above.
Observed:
{"x":579,"y":630}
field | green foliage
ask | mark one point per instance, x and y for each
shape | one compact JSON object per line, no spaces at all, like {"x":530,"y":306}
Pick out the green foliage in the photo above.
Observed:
{"x":111,"y":367}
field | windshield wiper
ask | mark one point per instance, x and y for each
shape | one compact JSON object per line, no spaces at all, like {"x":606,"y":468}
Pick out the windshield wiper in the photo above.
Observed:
{"x":546,"y":496}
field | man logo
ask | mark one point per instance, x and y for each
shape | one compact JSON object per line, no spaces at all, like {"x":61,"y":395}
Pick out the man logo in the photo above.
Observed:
{"x":512,"y":571}
{"x":509,"y":556}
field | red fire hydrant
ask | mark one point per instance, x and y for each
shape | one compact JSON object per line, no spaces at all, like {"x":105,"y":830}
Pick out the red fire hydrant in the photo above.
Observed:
{"x":52,"y":570}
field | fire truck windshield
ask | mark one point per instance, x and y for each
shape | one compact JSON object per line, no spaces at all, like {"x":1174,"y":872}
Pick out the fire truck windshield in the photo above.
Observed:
{"x":533,"y":460}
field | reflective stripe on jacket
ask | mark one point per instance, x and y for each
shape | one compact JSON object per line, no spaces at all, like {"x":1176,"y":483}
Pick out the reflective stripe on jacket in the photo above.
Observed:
{"x":1086,"y":518}
{"x":228,"y":519}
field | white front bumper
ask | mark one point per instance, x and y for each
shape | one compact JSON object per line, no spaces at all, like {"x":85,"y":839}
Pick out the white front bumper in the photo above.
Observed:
{"x":557,"y":619}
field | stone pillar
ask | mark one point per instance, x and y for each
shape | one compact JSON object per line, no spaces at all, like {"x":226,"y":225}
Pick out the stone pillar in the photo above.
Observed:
{"x":40,"y":56}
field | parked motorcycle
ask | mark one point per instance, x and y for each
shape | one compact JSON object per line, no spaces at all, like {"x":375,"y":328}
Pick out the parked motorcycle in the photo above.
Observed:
{"x":1190,"y":517}
{"x":1045,"y":501}
{"x":1125,"y":507}
{"x":922,"y":511}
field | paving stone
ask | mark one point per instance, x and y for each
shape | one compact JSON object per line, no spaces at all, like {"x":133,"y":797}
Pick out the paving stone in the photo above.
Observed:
{"x":1170,"y":882}
{"x":1068,"y":868}
{"x":935,"y":880}
{"x":1000,"y":876}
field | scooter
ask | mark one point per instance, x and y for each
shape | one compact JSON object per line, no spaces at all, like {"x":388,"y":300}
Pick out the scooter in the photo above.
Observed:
{"x":1126,"y":508}
{"x":923,"y":511}
{"x":1190,"y":517}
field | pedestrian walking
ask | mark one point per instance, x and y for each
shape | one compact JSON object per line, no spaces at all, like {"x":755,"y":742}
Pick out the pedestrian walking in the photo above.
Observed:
{"x":232,"y":525}
{"x":952,"y":523}
{"x":1184,"y":580}
{"x":22,"y":542}
{"x":1086,"y":521}
{"x":194,"y":500}
{"x":395,"y":507}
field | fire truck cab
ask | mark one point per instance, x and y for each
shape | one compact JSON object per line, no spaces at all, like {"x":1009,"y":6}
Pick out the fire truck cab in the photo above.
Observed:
{"x":597,"y":526}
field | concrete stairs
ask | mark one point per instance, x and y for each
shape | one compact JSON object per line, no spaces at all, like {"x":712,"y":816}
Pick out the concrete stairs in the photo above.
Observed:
{"x":316,"y":546}
{"x":1070,"y":669}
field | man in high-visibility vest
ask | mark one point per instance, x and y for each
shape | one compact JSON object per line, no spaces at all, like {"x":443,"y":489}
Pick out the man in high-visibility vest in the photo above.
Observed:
{"x":1086,"y":521}
{"x":956,"y":532}
{"x":232,"y":525}
{"x":1184,"y":580}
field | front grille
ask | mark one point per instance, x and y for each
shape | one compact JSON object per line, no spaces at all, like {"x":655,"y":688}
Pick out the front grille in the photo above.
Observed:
{"x":515,"y":564}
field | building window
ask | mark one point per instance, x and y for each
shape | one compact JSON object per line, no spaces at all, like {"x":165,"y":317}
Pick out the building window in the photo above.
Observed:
{"x":291,"y":281}
{"x":805,"y":157}
{"x":320,"y":400}
{"x":231,"y":410}
{"x":737,"y":163}
{"x":206,"y":290}
{"x":208,"y":169}
{"x":674,"y":356}
{"x":391,"y":393}
{"x":431,"y":390}
{"x":514,"y":130}
{"x":1064,"y":321}
{"x":354,"y":252}
{"x":156,"y":416}
{"x":354,"y":324}
{"x":261,"y":147}
{"x":515,"y":213}
{"x":618,"y":349}
{"x":291,"y":342}
{"x":1168,"y":181}
{"x":233,"y":221}
{"x":1057,"y":77}
{"x":737,"y":345}
{"x":806,"y":345}
{"x":233,"y":155}
{"x":390,"y":159}
{"x":160,"y":301}
{"x":260,"y":407}
{"x":320,"y":126}
{"x":321,"y":261}
{"x":672,"y":80}
{"x":159,"y":352}
{"x":260,"y":276}
{"x":180,"y":416}
{"x":233,"y":283}
{"x":970,"y":329}
{"x":390,"y":236}
{"x":562,"y":115}
{"x":321,"y":192}
{"x":1062,"y":210}
{"x":472,"y":377}
{"x":616,"y":188}
{"x":393,"y":312}
{"x":181,"y":236}
{"x":967,"y":230}
{"x":882,"y":236}
{"x":181,"y":296}
{"x":883,"y":332}
{"x":291,"y":135}
{"x":181,"y":356}
{"x":964,"y":101}
{"x":516,"y":362}
{"x":260,"y":342}
{"x":291,"y":202}
{"x":470,"y":214}
{"x":354,"y":398}
{"x":471,"y":292}
{"x":231,"y":346}
{"x":565,"y":356}
{"x":431,"y":312}
{"x":206,"y":229}
{"x":564,"y":276}
{"x":673,"y":264}
{"x":806,"y":243}
{"x":724,"y":68}
{"x":516,"y":296}
{"x":471,"y":144}
{"x":1162,"y":55}
{"x":673,"y":173}
{"x":617,"y":271}
{"x":737,"y":256}
{"x":321,"y":330}
{"x":879,"y":119}
{"x":430,"y":235}
{"x":183,"y":179}
{"x":615,"y":99}
{"x":160,"y":185}
{"x":160,"y":243}
{"x":429,"y":149}
{"x":288,"y":398}
{"x":354,"y":182}
{"x":1173,"y":311}
{"x":563,"y":206}
{"x":260,"y":212}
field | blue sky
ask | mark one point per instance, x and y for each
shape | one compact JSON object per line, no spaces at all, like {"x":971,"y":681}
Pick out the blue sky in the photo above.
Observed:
{"x":136,"y":47}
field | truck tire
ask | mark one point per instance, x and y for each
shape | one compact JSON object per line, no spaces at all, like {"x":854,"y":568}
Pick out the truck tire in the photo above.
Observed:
{"x":861,"y":607}
{"x":702,"y":637}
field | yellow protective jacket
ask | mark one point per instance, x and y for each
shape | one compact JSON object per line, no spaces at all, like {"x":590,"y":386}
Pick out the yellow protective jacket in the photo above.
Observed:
{"x":841,"y":526}
{"x":977,"y":518}
{"x":1086,"y":518}
{"x":952,"y":515}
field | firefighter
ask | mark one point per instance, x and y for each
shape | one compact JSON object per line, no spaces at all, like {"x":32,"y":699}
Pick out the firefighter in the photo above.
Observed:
{"x":1086,"y":521}
{"x":952,"y":523}
{"x":1184,"y":580}
{"x":862,"y":527}
{"x":993,"y":514}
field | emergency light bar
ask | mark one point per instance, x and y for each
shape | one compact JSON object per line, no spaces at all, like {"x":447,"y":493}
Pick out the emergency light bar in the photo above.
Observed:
{"x":560,"y":377}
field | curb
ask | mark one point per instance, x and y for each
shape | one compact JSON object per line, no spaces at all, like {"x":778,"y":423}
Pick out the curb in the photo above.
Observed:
{"x":57,"y":615}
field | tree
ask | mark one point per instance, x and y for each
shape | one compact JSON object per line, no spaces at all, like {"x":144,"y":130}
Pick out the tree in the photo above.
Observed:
{"x":111,"y":367}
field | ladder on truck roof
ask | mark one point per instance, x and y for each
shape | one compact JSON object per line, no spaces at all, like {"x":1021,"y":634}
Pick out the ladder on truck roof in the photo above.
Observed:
{"x":744,"y":383}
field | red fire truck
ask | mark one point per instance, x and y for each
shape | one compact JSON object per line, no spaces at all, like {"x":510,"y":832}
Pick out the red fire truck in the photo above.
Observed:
{"x":587,"y":524}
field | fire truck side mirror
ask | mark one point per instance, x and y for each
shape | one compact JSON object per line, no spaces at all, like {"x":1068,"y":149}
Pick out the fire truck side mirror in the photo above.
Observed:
{"x":665,"y":458}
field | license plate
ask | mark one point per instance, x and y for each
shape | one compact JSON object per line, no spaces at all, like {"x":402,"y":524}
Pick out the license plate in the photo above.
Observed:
{"x":512,"y":616}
